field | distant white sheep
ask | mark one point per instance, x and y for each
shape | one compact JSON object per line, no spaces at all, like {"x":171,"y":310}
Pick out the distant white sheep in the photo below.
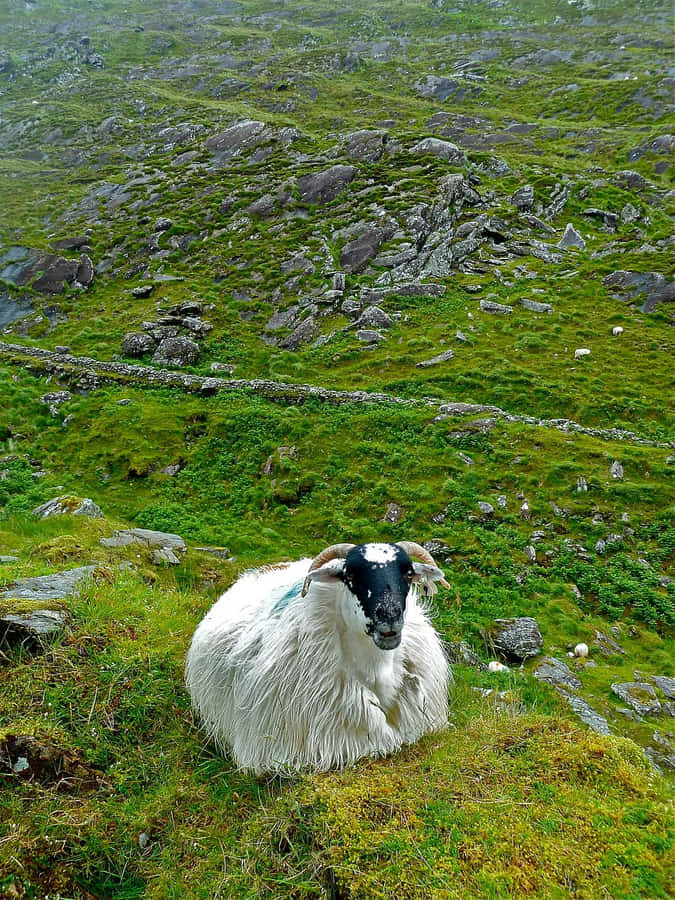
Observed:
{"x":617,"y":330}
{"x":314,"y":664}
{"x":582,"y":351}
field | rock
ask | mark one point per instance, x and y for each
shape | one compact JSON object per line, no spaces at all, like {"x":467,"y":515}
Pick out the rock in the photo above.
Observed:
{"x":367,"y":145}
{"x":357,"y":253}
{"x":523,"y":198}
{"x":639,"y":695}
{"x":339,"y":282}
{"x":31,"y":629}
{"x":436,"y":87}
{"x":165,"y":556}
{"x":571,"y":238}
{"x":146,"y":537}
{"x":85,"y":271}
{"x":460,"y":336}
{"x":374,"y":317}
{"x":534,"y":306}
{"x":609,"y":220}
{"x":499,"y":309}
{"x":435,"y":360}
{"x":49,"y":587}
{"x":143,"y":290}
{"x":587,"y":714}
{"x":653,"y":285}
{"x":231,"y":142}
{"x":465,"y":458}
{"x":665,"y":684}
{"x":304,"y":333}
{"x":582,"y":485}
{"x":554,"y":672}
{"x":263,"y":207}
{"x":393,"y":513}
{"x":460,"y":652}
{"x":8,"y":560}
{"x":137,"y":343}
{"x":322,"y":187}
{"x":218,"y":552}
{"x":43,"y":761}
{"x":607,"y":646}
{"x":49,"y":273}
{"x":440,"y":550}
{"x":56,"y":398}
{"x":67,"y":505}
{"x":616,"y":471}
{"x":176,"y":351}
{"x":351,"y":307}
{"x":515,"y":639}
{"x":487,"y":509}
{"x":368,"y":336}
{"x":443,"y":149}
{"x":219,"y":368}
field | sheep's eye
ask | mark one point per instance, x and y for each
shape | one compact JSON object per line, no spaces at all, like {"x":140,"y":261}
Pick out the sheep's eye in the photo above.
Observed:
{"x":409,"y":575}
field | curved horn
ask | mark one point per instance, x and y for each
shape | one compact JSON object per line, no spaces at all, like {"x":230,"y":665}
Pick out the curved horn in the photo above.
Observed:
{"x":416,"y":551}
{"x":335,"y":551}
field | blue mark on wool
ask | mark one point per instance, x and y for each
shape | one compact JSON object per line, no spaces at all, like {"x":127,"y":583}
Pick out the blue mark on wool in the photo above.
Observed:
{"x":285,"y":599}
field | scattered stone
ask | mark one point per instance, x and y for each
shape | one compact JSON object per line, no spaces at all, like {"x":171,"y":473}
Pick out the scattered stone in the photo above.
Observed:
{"x":460,"y":652}
{"x":56,"y":398}
{"x":221,"y":368}
{"x":439,"y":549}
{"x":499,"y":309}
{"x":374,"y":317}
{"x":554,"y":672}
{"x":535,"y":306}
{"x":523,"y":198}
{"x":639,"y":695}
{"x":31,"y":630}
{"x":435,"y":360}
{"x":487,"y":509}
{"x":360,"y":251}
{"x":587,"y":714}
{"x":369,"y":337}
{"x":323,"y":187}
{"x":165,"y":556}
{"x":231,"y":142}
{"x":515,"y":639}
{"x":460,"y":336}
{"x":616,"y":470}
{"x":306,"y":332}
{"x":571,"y":238}
{"x":652,"y":285}
{"x":176,"y":351}
{"x":443,"y":149}
{"x":143,"y":290}
{"x":49,"y":587}
{"x":146,"y":537}
{"x":531,"y":554}
{"x":393,"y":514}
{"x":219,"y":552}
{"x":68,"y":505}
{"x":665,"y":684}
{"x":367,"y":145}
{"x":607,"y":646}
{"x":466,"y":459}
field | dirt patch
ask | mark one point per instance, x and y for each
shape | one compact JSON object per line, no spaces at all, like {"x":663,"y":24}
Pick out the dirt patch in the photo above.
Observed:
{"x":26,"y":758}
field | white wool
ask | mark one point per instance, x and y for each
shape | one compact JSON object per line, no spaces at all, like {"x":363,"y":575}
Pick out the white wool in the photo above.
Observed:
{"x":617,"y":330}
{"x":582,"y":351}
{"x":379,"y":553}
{"x":496,"y":666}
{"x":581,"y":650}
{"x":289,"y":682}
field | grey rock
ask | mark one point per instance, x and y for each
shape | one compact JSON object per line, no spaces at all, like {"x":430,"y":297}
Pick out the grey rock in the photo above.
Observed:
{"x":351,"y":307}
{"x":582,"y":485}
{"x":143,"y":290}
{"x":531,"y":554}
{"x":30,"y":630}
{"x":443,"y":149}
{"x":587,"y":714}
{"x":56,"y":398}
{"x":460,"y":652}
{"x":219,"y":552}
{"x":499,"y":309}
{"x":665,"y":684}
{"x":607,"y":646}
{"x":146,"y":537}
{"x":616,"y":470}
{"x":84,"y":275}
{"x":639,"y":695}
{"x":164,"y":556}
{"x":49,"y":587}
{"x":554,"y":672}
{"x":322,"y":187}
{"x":460,"y":336}
{"x":67,"y":505}
{"x":47,"y":274}
{"x":652,"y":286}
{"x":609,"y":219}
{"x":234,"y":140}
{"x":374,"y":317}
{"x":515,"y":639}
{"x":8,"y":560}
{"x":465,"y":458}
{"x":393,"y":513}
{"x":437,"y":87}
{"x":367,"y":145}
{"x":535,"y":306}
{"x":339,"y":281}
{"x":357,"y":253}
{"x":306,"y":332}
{"x":283,"y":318}
{"x":523,"y":198}
{"x":367,"y":336}
{"x":571,"y":238}
{"x":263,"y":207}
{"x":436,"y":360}
{"x":176,"y":351}
{"x":136,"y":343}
{"x":487,"y":509}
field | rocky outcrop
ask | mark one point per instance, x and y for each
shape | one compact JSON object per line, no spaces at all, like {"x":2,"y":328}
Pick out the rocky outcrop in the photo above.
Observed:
{"x":515,"y":639}
{"x":322,"y":187}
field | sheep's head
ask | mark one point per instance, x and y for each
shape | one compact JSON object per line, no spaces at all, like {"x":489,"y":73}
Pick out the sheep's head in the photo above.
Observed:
{"x":378,"y":576}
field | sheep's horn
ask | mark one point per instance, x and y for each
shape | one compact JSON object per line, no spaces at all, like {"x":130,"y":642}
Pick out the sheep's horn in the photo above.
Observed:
{"x":335,"y":551}
{"x":416,"y":551}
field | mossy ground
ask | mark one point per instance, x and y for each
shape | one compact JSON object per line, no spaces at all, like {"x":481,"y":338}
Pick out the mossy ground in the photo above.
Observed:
{"x":517,"y":798}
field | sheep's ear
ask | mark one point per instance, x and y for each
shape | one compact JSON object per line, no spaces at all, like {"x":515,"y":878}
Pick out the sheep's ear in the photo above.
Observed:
{"x":333,"y":570}
{"x":426,"y":575}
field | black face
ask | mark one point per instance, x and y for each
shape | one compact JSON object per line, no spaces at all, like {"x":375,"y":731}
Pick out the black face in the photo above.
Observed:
{"x":380,"y":576}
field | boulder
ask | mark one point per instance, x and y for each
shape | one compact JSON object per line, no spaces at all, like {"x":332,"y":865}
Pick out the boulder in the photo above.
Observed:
{"x":85,"y":271}
{"x":367,"y":145}
{"x":358,"y":252}
{"x":497,"y":309}
{"x":571,"y":238}
{"x":652,"y":286}
{"x":523,"y":198}
{"x":176,"y":351}
{"x":535,"y":306}
{"x":49,"y":587}
{"x":557,"y":673}
{"x":322,"y":187}
{"x":515,"y":639}
{"x":437,"y":87}
{"x":231,"y":142}
{"x":146,"y":537}
{"x":639,"y":695}
{"x":367,"y":336}
{"x":31,"y":630}
{"x":136,"y":343}
{"x":443,"y":149}
{"x":374,"y":317}
{"x":306,"y":332}
{"x":68,"y":505}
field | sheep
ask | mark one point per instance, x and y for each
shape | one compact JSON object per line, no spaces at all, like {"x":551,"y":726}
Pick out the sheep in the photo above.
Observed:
{"x":582,"y":351}
{"x":617,"y":330}
{"x":314,"y":664}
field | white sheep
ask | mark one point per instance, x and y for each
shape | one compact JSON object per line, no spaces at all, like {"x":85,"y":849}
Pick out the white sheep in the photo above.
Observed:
{"x":617,"y":330}
{"x":582,"y":351}
{"x":312,"y":665}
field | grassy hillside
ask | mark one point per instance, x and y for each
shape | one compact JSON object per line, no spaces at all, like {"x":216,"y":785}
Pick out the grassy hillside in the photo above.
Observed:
{"x":246,"y":179}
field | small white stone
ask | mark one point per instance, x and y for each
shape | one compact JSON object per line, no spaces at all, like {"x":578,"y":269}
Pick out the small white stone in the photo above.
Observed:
{"x":495,"y":666}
